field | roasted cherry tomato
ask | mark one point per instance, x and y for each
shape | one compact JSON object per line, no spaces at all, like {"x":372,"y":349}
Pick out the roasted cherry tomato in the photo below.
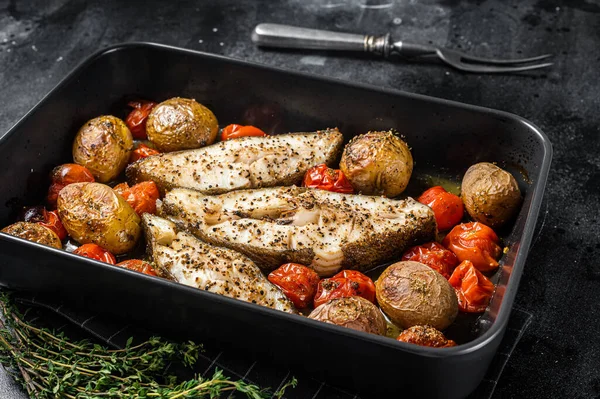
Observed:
{"x":325,"y":178}
{"x":142,"y":196}
{"x":473,"y":289}
{"x":435,"y":256}
{"x":475,"y":242}
{"x":138,"y":266}
{"x":53,"y":223}
{"x":64,"y":175}
{"x":447,"y":207}
{"x":345,"y":284}
{"x":136,"y":120}
{"x":94,"y":251}
{"x":236,"y":131}
{"x":142,"y":151}
{"x":425,"y":336}
{"x":298,"y":283}
{"x":48,"y":219}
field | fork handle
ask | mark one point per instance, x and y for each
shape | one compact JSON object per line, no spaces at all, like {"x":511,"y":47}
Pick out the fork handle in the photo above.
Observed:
{"x":286,"y":36}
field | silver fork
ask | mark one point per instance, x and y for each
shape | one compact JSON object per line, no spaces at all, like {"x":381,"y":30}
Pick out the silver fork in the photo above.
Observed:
{"x":285,"y":36}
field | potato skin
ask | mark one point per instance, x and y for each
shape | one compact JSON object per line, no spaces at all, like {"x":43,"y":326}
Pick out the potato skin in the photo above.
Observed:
{"x":103,"y":145}
{"x":377,"y":163}
{"x":425,"y":336}
{"x":94,"y":213}
{"x":411,"y":294}
{"x":34,"y":232}
{"x":354,"y":312}
{"x":181,"y":124}
{"x":491,"y":195}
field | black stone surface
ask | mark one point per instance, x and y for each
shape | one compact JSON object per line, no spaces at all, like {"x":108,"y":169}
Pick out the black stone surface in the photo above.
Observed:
{"x":559,"y":354}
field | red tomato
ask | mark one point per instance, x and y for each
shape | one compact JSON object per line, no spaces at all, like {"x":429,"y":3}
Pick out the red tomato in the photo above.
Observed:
{"x":94,"y":251}
{"x":53,"y":223}
{"x":447,"y":207}
{"x":138,"y":266}
{"x":64,"y":175}
{"x":298,"y":283}
{"x":473,"y":289}
{"x":433,"y":255}
{"x":475,"y":242}
{"x":236,"y":131}
{"x":142,"y":151}
{"x":136,"y":120}
{"x":325,"y":178}
{"x":142,"y":196}
{"x":346,"y":283}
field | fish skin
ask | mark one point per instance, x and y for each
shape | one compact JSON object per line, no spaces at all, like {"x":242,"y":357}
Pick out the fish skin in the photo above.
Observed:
{"x":182,"y":257}
{"x":247,"y":162}
{"x":320,"y":229}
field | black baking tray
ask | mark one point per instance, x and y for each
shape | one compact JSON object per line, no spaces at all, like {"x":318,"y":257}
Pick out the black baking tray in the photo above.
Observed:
{"x":446,"y":137}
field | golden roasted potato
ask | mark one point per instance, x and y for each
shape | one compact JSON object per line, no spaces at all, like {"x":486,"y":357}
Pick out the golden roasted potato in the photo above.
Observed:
{"x":491,"y":195}
{"x":103,"y":145}
{"x":181,"y":124}
{"x":411,"y":294}
{"x":354,"y":312}
{"x":34,"y":232}
{"x":377,"y":163}
{"x":94,"y":213}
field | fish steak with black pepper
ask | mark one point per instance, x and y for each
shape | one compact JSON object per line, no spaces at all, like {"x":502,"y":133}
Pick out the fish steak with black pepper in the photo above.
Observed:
{"x":180,"y":256}
{"x":320,"y":229}
{"x":246,"y":162}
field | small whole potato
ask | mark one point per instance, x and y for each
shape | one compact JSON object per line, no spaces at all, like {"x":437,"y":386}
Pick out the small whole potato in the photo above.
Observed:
{"x":34,"y":232}
{"x":181,"y":124}
{"x":94,"y":213}
{"x":411,"y":294}
{"x":353,"y":312}
{"x":377,"y":163}
{"x":103,"y":145}
{"x":491,"y":195}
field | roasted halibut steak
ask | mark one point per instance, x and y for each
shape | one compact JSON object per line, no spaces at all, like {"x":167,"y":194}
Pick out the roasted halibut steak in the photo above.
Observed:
{"x":324,"y":230}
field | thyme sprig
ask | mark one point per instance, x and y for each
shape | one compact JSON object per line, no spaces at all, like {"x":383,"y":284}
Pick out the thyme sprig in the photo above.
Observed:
{"x":51,"y":365}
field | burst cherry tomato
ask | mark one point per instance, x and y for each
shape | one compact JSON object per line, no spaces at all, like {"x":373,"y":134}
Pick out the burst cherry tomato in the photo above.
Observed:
{"x":325,"y":178}
{"x":142,"y":196}
{"x":298,"y":283}
{"x":433,"y":255}
{"x":64,"y":175}
{"x":447,"y":207}
{"x":473,"y":289}
{"x":475,"y":242}
{"x":48,"y":219}
{"x":142,"y":151}
{"x":136,"y":120}
{"x":236,"y":131}
{"x":94,"y":251}
{"x":425,"y":336}
{"x":346,"y":283}
{"x":138,"y":266}
{"x":53,"y":223}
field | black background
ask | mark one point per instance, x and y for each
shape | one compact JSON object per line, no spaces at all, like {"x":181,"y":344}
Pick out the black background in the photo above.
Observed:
{"x":559,"y":354}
